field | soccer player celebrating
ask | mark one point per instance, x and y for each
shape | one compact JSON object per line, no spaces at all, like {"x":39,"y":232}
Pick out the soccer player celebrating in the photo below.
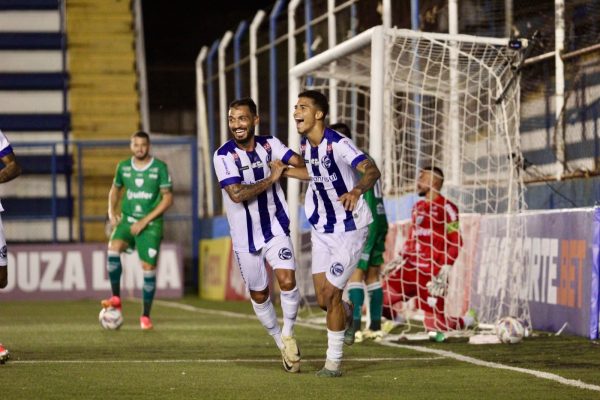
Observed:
{"x":248,"y":168}
{"x":338,"y":214}
{"x":429,"y":252}
{"x":11,"y":170}
{"x":142,"y":184}
{"x":369,"y":264}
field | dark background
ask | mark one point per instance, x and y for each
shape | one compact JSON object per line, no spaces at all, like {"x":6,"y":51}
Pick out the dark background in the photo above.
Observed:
{"x":175,"y":31}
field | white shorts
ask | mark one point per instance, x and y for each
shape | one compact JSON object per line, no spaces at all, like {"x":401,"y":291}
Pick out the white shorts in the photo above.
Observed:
{"x":337,"y":254}
{"x":278,"y":252}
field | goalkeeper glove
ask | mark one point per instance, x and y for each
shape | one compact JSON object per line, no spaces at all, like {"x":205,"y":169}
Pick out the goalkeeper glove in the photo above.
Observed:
{"x":438,"y":285}
{"x":393,"y":265}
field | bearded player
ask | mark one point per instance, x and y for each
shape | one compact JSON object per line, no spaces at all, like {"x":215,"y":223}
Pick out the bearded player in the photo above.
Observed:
{"x":431,"y":249}
{"x":248,"y":168}
{"x":142,"y":185}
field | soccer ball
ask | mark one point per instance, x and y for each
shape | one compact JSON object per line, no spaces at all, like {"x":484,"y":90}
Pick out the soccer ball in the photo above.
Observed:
{"x":110,"y":318}
{"x":510,"y":330}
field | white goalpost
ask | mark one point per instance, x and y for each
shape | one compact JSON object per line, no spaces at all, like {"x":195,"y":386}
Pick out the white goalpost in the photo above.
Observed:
{"x":415,"y":99}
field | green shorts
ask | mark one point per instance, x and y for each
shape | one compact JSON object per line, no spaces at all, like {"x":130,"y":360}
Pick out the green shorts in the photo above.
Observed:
{"x":147,"y":242}
{"x":372,"y":253}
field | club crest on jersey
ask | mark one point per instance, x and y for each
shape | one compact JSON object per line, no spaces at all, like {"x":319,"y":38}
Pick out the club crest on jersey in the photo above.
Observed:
{"x":336,"y":269}
{"x":3,"y":252}
{"x":285,"y":254}
{"x":326,"y":161}
{"x":139,"y":182}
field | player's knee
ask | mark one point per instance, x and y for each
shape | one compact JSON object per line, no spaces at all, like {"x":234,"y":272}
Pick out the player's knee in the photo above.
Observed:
{"x":260,"y":297}
{"x":289,"y":283}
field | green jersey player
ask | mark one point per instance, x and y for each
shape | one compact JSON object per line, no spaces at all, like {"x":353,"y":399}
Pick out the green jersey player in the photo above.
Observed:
{"x":370,"y":262}
{"x":143,"y":186}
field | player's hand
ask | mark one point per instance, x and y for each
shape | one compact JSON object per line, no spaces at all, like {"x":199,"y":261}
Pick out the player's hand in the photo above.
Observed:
{"x":438,"y":285}
{"x":138,"y":227}
{"x":114,"y":219}
{"x":350,"y":199}
{"x":393,"y":265}
{"x":277,"y":168}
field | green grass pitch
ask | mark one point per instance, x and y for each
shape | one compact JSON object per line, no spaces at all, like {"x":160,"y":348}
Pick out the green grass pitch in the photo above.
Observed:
{"x":212,"y":350}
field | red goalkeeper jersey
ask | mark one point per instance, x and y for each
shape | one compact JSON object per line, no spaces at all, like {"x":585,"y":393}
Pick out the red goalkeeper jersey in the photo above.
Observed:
{"x":434,"y":235}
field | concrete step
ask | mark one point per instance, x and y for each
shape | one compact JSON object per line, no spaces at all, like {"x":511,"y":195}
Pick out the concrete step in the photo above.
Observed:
{"x":30,"y":21}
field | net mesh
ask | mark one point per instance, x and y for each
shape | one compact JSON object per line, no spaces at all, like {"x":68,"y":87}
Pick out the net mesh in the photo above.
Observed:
{"x":441,"y":109}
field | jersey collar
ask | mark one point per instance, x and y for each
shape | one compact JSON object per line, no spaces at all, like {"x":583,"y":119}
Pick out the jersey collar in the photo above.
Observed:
{"x":141,"y":169}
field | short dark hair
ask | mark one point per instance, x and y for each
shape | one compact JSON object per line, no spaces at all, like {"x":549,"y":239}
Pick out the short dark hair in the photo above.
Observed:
{"x":245,"y":101}
{"x":141,"y":134}
{"x":341,"y":128}
{"x":319,"y":99}
{"x":437,"y":171}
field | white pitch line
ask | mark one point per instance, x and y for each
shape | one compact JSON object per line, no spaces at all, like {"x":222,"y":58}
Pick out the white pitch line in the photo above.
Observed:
{"x":217,"y":361}
{"x":444,"y":353}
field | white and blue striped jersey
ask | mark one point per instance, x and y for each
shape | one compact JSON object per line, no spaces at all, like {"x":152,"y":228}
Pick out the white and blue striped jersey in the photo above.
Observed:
{"x":331,"y":166}
{"x":5,"y":149}
{"x":253,"y":222}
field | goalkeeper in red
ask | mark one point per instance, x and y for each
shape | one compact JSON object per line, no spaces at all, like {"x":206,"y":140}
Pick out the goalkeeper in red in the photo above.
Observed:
{"x":431,"y":249}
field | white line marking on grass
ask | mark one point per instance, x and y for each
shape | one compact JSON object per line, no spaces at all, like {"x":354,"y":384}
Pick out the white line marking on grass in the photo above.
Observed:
{"x":218,"y":361}
{"x":489,"y":364}
{"x":444,"y":353}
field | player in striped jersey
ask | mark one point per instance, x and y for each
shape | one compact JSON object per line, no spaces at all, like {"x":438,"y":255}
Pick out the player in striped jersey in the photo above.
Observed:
{"x":337,"y":211}
{"x":370,"y":262}
{"x":248,"y":168}
{"x":10,"y":171}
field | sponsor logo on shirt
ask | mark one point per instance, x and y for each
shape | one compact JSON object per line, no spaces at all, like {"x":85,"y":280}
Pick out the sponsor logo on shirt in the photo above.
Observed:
{"x":330,"y":178}
{"x":336,"y":269}
{"x":422,"y":232}
{"x":225,"y":164}
{"x":314,"y":161}
{"x":352,"y":148}
{"x":138,"y":195}
{"x":285,"y":254}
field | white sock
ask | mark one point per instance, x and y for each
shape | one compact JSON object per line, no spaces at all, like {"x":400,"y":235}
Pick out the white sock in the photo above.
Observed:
{"x":267,"y":317}
{"x":290,"y":301}
{"x":335,"y":349}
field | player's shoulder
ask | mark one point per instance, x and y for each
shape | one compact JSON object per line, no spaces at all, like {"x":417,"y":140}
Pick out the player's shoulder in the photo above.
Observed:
{"x":226,"y":148}
{"x":159,"y":163}
{"x":124,"y":163}
{"x":447,"y":204}
{"x":334,"y":136}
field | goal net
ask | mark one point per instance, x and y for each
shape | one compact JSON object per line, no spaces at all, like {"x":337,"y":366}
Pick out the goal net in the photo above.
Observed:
{"x":415,"y":99}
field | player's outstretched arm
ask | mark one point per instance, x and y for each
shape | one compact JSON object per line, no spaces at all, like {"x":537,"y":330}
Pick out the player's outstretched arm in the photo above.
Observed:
{"x":239,"y":192}
{"x":11,"y":169}
{"x":299,"y":171}
{"x":370,"y":174}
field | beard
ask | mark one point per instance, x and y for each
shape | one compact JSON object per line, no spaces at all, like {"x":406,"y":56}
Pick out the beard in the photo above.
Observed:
{"x":247,"y":139}
{"x":141,"y":156}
